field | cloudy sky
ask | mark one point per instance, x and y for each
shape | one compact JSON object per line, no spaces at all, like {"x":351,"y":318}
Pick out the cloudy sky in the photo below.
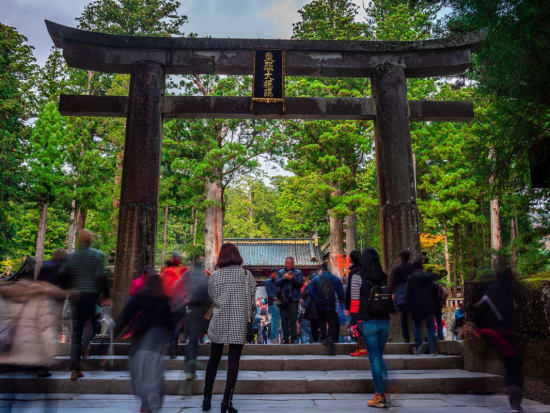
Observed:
{"x":217,"y":18}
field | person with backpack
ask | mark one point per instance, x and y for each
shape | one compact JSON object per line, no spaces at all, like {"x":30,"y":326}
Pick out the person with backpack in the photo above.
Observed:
{"x":371,"y":304}
{"x":289,"y":280}
{"x":308,"y":311}
{"x":324,"y":290}
{"x":422,"y":300}
{"x":399,"y":277}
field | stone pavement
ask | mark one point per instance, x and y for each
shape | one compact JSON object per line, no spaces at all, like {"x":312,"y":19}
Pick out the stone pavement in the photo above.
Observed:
{"x":302,"y":403}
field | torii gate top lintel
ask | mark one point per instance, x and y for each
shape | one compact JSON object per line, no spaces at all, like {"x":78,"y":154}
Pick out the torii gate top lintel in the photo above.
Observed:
{"x":340,"y":58}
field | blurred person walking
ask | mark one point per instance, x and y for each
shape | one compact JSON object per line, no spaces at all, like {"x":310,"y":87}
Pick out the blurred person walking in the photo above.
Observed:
{"x":30,"y":317}
{"x":139,"y":282}
{"x":191,"y":291}
{"x":399,"y":279}
{"x":83,"y":273}
{"x":374,"y":320}
{"x":49,"y":272}
{"x":354,"y":283}
{"x":290,"y":281}
{"x":150,"y":316}
{"x":232,"y":289}
{"x":325,"y":290}
{"x":496,"y":320}
{"x":272,"y":292}
{"x":423,"y":304}
{"x":170,"y":276}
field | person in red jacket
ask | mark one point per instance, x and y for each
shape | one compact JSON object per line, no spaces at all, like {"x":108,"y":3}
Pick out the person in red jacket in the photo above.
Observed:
{"x":170,"y":276}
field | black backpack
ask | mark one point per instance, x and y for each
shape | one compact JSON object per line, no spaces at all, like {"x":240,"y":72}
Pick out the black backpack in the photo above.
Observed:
{"x":380,"y":301}
{"x":326,"y":292}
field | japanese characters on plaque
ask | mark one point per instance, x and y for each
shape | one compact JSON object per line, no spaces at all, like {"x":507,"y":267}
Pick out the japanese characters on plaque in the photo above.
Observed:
{"x":269,"y":77}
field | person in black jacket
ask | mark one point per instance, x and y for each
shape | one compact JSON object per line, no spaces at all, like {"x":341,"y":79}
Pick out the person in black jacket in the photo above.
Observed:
{"x":497,"y":322}
{"x":399,"y":276}
{"x":422,"y":301}
{"x":375,"y":328}
{"x":152,"y":323}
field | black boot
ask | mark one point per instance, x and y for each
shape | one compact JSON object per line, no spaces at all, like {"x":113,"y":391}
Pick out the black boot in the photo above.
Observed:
{"x":227,"y":402}
{"x":206,"y":403}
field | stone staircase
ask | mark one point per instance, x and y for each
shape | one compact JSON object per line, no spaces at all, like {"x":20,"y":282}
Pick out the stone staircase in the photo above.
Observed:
{"x":279,"y":369}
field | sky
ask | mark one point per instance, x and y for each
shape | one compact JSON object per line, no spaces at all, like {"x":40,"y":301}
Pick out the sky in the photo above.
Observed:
{"x":216,"y":18}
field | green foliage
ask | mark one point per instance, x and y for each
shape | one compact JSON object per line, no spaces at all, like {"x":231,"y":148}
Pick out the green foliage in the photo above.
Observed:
{"x":133,"y":17}
{"x":17,"y":66}
{"x":47,"y":147}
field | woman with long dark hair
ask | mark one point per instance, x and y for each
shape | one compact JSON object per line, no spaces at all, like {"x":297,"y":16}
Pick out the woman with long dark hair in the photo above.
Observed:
{"x":232,"y":290}
{"x":151,"y":320}
{"x":375,"y":328}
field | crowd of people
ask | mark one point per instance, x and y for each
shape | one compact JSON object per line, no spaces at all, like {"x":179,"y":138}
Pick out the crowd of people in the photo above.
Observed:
{"x":194,"y":305}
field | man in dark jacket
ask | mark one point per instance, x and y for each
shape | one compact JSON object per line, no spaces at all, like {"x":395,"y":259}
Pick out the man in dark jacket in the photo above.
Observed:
{"x":422,"y":301}
{"x":323,"y":290}
{"x":289,"y":280}
{"x":399,"y":276}
{"x":83,"y":273}
{"x":274,"y":311}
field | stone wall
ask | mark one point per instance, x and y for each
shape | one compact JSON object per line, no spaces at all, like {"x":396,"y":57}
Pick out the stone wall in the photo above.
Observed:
{"x":534,"y":312}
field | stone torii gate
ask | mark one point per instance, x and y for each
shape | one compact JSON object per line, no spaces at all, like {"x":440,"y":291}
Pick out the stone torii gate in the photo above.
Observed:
{"x":149,"y":59}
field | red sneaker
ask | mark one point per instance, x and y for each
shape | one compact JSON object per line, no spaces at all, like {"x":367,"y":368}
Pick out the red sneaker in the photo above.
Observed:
{"x":359,"y":353}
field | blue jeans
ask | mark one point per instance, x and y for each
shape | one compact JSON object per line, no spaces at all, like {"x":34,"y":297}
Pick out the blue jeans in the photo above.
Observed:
{"x":429,"y":320}
{"x":375,"y":333}
{"x":275,"y":320}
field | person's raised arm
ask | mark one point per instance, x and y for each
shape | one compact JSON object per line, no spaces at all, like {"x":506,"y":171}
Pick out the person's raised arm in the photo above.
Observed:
{"x":279,"y":281}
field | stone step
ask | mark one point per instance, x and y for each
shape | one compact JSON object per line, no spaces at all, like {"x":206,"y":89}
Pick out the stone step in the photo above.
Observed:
{"x":122,"y":349}
{"x":284,"y":363}
{"x":267,"y":382}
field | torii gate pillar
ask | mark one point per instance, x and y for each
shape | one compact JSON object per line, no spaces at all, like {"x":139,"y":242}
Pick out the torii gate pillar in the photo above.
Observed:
{"x":394,"y":164}
{"x":138,"y":213}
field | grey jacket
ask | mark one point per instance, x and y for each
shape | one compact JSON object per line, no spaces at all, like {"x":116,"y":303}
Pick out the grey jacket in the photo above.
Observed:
{"x":227,"y":290}
{"x":84,"y":271}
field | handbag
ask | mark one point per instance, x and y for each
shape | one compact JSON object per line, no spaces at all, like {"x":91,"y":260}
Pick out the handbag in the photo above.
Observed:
{"x":249,"y":325}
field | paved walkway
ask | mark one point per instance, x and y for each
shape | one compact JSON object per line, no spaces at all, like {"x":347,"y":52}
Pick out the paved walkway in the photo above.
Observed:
{"x":302,"y":403}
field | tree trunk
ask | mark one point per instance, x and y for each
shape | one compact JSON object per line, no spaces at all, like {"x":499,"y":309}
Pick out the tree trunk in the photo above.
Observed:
{"x":513,"y":235}
{"x":139,"y":191}
{"x":351,"y":233}
{"x":336,"y":249}
{"x":213,"y":222}
{"x":394,"y":164}
{"x":447,"y":256}
{"x":41,"y":236}
{"x":456,"y":243}
{"x":164,"y":233}
{"x":496,"y":234}
{"x":72,"y":228}
{"x":80,"y":218}
{"x":195,"y":223}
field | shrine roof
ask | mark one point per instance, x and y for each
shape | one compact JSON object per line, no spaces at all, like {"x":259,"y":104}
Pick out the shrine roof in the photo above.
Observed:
{"x":271,"y":253}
